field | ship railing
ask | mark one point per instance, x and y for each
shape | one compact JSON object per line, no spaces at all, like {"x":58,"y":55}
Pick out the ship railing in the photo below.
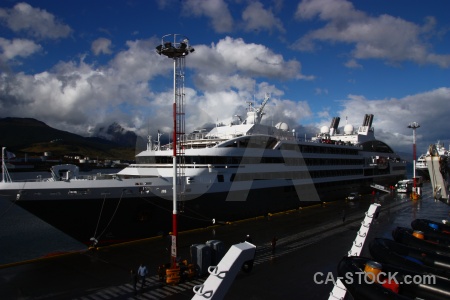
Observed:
{"x":167,"y":165}
{"x":98,"y":176}
{"x":37,"y":179}
{"x":204,"y":143}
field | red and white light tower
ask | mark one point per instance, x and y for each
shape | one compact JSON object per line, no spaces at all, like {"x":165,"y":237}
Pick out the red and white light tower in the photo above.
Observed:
{"x":414,"y":126}
{"x":177,"y":47}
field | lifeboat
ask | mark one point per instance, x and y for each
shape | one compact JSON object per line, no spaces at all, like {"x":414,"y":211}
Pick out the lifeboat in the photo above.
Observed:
{"x":421,"y":240}
{"x":400,"y":286}
{"x":415,"y":259}
{"x":429,"y":226}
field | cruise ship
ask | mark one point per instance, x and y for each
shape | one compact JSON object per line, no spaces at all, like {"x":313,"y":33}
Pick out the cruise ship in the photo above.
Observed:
{"x":234,"y":171}
{"x":421,"y":167}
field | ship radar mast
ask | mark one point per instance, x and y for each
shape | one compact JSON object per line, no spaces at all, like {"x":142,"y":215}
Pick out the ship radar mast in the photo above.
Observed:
{"x":158,"y":142}
{"x":254,"y":116}
{"x":149,"y":142}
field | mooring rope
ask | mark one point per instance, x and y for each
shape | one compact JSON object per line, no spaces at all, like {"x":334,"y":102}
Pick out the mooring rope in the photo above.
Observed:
{"x":112,"y":217}
{"x":100,"y":216}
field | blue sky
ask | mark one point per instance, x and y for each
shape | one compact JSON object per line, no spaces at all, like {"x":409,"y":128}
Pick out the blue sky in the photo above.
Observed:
{"x":80,"y":65}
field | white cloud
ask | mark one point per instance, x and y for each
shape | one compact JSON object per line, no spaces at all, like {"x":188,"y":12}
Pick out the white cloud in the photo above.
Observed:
{"x":216,"y":10}
{"x":353,"y":64}
{"x":328,"y":10}
{"x":162,"y":4}
{"x":256,"y":18}
{"x":292,"y":112}
{"x":77,"y":96}
{"x":222,"y":106}
{"x":392,"y":116}
{"x":34,"y":21}
{"x":140,"y":62}
{"x":101,"y":45}
{"x":215,"y":82}
{"x":135,"y":87}
{"x":11,"y":49}
{"x":384,"y":37}
{"x":320,"y":91}
{"x":250,"y":59}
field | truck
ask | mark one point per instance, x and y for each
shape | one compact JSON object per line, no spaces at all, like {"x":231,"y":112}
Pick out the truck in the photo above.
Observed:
{"x":404,"y":186}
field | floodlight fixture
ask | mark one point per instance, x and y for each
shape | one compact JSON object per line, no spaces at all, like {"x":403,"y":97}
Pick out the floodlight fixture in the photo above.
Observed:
{"x":178,"y":47}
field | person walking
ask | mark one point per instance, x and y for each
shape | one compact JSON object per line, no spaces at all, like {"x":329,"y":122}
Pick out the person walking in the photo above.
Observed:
{"x":274,"y":244}
{"x":142,"y":272}
{"x":134,"y":280}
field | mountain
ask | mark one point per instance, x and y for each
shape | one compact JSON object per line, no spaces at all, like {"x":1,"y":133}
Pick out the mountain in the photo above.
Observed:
{"x":27,"y":135}
{"x":117,"y":134}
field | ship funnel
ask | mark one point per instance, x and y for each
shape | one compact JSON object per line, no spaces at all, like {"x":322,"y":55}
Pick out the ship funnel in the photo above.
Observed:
{"x":370,"y":120}
{"x":365,"y":120}
{"x":335,"y":123}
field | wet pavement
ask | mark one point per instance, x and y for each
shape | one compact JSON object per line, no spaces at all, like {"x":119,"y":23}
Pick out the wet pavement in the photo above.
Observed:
{"x":310,"y":240}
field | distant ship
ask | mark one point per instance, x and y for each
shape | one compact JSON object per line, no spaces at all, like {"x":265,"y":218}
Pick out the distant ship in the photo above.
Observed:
{"x":421,"y":167}
{"x":421,"y":163}
{"x":235,"y":171}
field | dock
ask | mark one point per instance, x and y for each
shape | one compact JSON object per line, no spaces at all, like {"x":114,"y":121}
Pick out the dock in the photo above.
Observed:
{"x":310,"y":240}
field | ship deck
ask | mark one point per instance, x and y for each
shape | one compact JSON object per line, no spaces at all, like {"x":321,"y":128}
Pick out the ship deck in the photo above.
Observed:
{"x":310,"y":240}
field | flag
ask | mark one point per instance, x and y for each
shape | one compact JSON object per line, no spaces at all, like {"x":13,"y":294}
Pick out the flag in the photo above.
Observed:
{"x":9,"y":155}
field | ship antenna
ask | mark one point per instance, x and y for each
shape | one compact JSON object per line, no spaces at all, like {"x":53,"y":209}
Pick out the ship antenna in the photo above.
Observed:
{"x":158,"y":141}
{"x":149,"y":142}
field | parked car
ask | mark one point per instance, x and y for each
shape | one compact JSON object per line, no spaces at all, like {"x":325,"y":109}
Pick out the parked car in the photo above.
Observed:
{"x":353,"y":197}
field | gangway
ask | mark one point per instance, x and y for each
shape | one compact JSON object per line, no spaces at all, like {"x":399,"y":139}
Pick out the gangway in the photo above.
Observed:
{"x":339,"y":289}
{"x":438,"y":169}
{"x":222,"y":276}
{"x":380,"y":188}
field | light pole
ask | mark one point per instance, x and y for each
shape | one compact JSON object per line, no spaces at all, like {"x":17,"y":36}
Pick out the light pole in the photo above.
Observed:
{"x":414,"y":126}
{"x":177,"y":47}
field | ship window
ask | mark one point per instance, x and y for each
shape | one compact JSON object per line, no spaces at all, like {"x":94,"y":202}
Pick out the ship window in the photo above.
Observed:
{"x":78,"y":192}
{"x":235,"y":160}
{"x":261,"y":142}
{"x":376,"y":146}
{"x":220,"y":178}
